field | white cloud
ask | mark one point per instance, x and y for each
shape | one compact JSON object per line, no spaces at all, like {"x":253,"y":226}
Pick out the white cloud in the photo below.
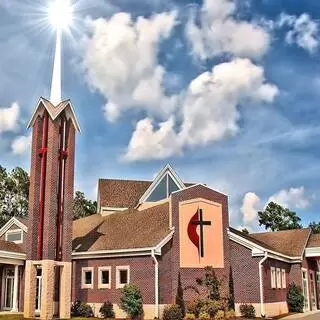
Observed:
{"x":149,"y":143}
{"x":209,"y":110}
{"x":9,"y":118}
{"x":304,"y":32}
{"x":251,"y":204}
{"x":21,"y":144}
{"x":120,"y":61}
{"x":291,"y":198}
{"x":218,"y":32}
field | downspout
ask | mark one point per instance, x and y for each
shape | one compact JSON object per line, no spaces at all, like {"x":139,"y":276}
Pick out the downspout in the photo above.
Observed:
{"x":156,"y":283}
{"x":261,"y":284}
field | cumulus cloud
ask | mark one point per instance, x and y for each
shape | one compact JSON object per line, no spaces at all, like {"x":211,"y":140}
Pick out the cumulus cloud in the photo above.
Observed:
{"x":251,"y":204}
{"x":209,"y":110}
{"x":120,"y":61}
{"x":21,"y":144}
{"x":218,"y":32}
{"x":291,"y":198}
{"x":304,"y":31}
{"x":9,"y":117}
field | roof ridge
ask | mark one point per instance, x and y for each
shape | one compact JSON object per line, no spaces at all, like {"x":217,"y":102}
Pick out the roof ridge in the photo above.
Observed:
{"x":119,"y":179}
{"x":279,"y":231}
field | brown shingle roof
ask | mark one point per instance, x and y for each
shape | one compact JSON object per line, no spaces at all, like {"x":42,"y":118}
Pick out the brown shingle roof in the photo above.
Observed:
{"x":122,"y":230}
{"x":118,"y":193}
{"x":288,"y":242}
{"x":10,"y":246}
{"x":314,"y":241}
{"x":121,"y":193}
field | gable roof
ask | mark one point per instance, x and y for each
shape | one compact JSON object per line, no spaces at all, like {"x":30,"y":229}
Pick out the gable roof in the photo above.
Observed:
{"x":19,"y":222}
{"x":288,"y":242}
{"x":124,"y":230}
{"x":119,"y":193}
{"x":166,"y":170}
{"x":314,"y":241}
{"x":55,"y":111}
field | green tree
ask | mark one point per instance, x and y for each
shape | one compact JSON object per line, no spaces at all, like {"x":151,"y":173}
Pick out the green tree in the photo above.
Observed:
{"x":179,"y":297}
{"x":231,"y":301}
{"x":276,"y":218}
{"x":211,"y":282}
{"x":83,"y":207}
{"x":131,"y":301}
{"x":245,"y":231}
{"x":315,"y":226}
{"x":14,"y":193}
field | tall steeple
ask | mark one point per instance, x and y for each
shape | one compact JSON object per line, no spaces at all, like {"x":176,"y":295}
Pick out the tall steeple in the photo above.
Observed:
{"x":55,"y":95}
{"x":49,"y":238}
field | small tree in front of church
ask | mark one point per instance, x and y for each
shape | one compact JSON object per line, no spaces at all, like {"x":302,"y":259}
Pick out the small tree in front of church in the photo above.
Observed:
{"x":179,"y":297}
{"x":211,"y":282}
{"x":131,"y":301}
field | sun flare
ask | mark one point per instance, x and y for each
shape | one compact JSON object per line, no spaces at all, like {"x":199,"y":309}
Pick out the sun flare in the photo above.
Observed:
{"x":60,"y":14}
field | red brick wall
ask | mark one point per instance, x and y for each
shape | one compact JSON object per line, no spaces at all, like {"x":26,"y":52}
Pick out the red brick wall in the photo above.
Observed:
{"x":245,"y":270}
{"x":141,"y":273}
{"x":189,"y":275}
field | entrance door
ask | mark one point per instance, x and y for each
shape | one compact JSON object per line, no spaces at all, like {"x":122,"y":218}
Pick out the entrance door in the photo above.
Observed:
{"x":313,"y":291}
{"x":318,"y":287}
{"x":8,"y":288}
{"x":305,"y":289}
{"x":38,"y":290}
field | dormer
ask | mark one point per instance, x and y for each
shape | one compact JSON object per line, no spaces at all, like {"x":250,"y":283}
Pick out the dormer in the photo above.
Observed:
{"x":14,"y":230}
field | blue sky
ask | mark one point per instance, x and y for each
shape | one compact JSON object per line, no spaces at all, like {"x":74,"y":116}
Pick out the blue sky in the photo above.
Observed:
{"x":227,"y":92}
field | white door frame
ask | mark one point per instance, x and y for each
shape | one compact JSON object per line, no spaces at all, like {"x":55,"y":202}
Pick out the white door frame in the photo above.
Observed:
{"x":4,"y":288}
{"x":39,"y":278}
{"x":303,"y":270}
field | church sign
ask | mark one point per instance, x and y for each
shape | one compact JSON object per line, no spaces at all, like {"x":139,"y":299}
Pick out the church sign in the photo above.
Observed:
{"x":201,"y":234}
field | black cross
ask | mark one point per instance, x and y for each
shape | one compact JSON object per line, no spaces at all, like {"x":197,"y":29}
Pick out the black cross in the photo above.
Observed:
{"x":201,"y":223}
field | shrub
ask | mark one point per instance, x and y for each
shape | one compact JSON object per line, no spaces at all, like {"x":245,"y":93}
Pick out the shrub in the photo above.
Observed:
{"x":81,"y":309}
{"x":131,"y":301}
{"x":247,"y":310}
{"x":230,"y":314}
{"x":191,"y":307}
{"x":211,"y":307}
{"x":106,"y":310}
{"x":189,"y":316}
{"x":199,"y":303}
{"x":179,"y":296}
{"x":219,"y":315}
{"x":295,"y":298}
{"x":211,"y":282}
{"x":204,"y":316}
{"x":172,"y":312}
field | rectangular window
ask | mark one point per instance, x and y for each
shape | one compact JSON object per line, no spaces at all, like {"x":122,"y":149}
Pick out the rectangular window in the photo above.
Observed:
{"x":87,"y":278}
{"x":122,"y":276}
{"x":104,"y":277}
{"x":273,"y":277}
{"x":278,"y":278}
{"x":283,"y":278}
{"x":15,"y":236}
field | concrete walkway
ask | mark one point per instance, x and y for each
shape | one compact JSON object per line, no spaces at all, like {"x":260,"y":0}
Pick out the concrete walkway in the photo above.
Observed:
{"x":312,"y":315}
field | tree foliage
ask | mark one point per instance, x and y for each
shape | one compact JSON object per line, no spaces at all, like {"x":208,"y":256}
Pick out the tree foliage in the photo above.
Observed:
{"x":276,"y":218}
{"x":131,"y":301}
{"x":179,"y":297}
{"x":295,"y":298}
{"x":83,"y":207}
{"x":315,"y":226}
{"x":211,"y":282}
{"x":14,"y":193}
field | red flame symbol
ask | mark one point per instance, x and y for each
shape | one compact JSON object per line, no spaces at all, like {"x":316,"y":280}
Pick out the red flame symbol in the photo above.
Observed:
{"x":192,"y":231}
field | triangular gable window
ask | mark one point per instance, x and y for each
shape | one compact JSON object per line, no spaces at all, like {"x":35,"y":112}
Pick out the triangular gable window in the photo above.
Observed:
{"x":163,"y":190}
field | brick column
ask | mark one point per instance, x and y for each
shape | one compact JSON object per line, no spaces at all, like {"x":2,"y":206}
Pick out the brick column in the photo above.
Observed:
{"x":47,"y":289}
{"x":30,"y":289}
{"x":65,"y":290}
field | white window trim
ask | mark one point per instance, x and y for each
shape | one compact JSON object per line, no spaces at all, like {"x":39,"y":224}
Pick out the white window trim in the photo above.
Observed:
{"x":118,"y":268}
{"x":100,"y":284}
{"x":278,"y":277}
{"x":283,"y":278}
{"x":83,"y":283}
{"x":14,"y":231}
{"x":273,"y":277}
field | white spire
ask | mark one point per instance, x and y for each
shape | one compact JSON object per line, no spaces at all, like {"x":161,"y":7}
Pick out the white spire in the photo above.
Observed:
{"x":55,"y":95}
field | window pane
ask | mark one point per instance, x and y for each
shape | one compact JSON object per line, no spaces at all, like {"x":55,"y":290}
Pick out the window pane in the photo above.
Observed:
{"x":160,"y":192}
{"x":172,"y":185}
{"x":14,"y":236}
{"x":105,"y":277}
{"x":123,"y":276}
{"x":88,"y":277}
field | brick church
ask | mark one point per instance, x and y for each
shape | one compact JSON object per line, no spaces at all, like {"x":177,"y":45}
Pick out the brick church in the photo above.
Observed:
{"x":144,"y":232}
